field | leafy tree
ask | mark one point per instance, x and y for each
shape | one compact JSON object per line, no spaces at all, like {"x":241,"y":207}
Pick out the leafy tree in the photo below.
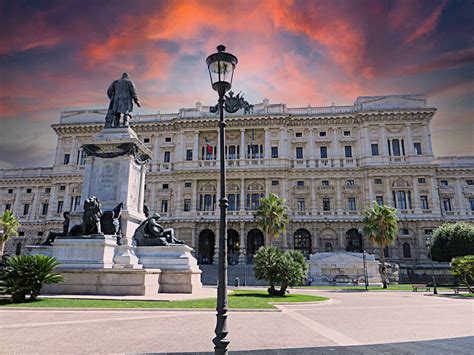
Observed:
{"x":451,"y":240}
{"x":9,"y":223}
{"x":26,"y":274}
{"x":463,"y":268}
{"x":272,"y":216}
{"x":279,"y":268}
{"x":381,"y":225}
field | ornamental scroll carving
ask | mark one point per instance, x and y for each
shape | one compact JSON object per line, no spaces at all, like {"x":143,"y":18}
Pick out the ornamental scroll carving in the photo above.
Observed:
{"x":122,"y":149}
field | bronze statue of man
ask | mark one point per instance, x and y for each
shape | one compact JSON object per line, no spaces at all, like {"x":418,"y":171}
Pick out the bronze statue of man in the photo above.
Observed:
{"x":122,"y":94}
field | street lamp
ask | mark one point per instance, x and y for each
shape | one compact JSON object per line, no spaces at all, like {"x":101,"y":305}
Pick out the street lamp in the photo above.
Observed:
{"x":221,"y":67}
{"x":428,"y":246}
{"x":364,"y":261}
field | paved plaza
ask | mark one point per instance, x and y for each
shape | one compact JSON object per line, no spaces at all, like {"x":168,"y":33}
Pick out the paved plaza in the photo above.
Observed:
{"x":352,"y":322}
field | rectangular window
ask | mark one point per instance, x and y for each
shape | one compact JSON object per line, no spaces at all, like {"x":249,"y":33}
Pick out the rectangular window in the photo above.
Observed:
{"x":401,"y":200}
{"x":421,"y":180}
{"x":44,"y":210}
{"x":471,"y":203}
{"x":417,"y":147}
{"x":146,"y":140}
{"x":189,"y":154}
{"x":47,"y":190}
{"x":254,"y":201}
{"x":164,"y":205}
{"x":428,"y":232}
{"x":166,"y":186}
{"x":322,"y":134}
{"x":168,"y":139}
{"x":299,"y":135}
{"x":275,"y":183}
{"x":447,"y":204}
{"x":301,"y":204}
{"x":28,"y":191}
{"x":444,"y":182}
{"x":167,"y":157}
{"x":8,"y":207}
{"x":470,"y":182}
{"x":40,"y":234}
{"x":187,"y":205}
{"x":67,"y":157}
{"x":325,"y":183}
{"x":404,"y":231}
{"x":26,"y":209}
{"x":300,"y":183}
{"x":424,"y":202}
{"x":231,"y":152}
{"x":350,"y":182}
{"x":253,"y":151}
{"x":396,"y":147}
{"x":60,"y":207}
{"x":77,"y":202}
{"x":378,"y":181}
{"x":375,"y":149}
{"x":62,"y":188}
{"x":379,"y":200}
{"x":326,"y":204}
{"x":299,"y":152}
{"x":81,"y":157}
{"x":347,"y":133}
{"x":323,"y":151}
{"x":187,"y":184}
{"x":206,"y":202}
{"x":351,"y":202}
{"x":348,"y":151}
{"x":234,"y":200}
{"x":10,"y":191}
{"x":274,"y":152}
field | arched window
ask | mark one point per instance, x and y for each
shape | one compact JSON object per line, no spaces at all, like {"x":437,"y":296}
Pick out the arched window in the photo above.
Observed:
{"x":302,"y":242}
{"x":328,"y":247}
{"x":406,"y":250}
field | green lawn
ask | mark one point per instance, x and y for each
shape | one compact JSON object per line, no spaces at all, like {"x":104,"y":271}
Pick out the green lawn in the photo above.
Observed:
{"x":237,"y":300}
{"x":461,"y":295}
{"x":404,"y":287}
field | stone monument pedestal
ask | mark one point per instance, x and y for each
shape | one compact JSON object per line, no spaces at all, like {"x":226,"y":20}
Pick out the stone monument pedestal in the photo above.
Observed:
{"x":116,"y":282}
{"x":179,"y":270}
{"x":343,"y":268}
{"x":86,"y":252}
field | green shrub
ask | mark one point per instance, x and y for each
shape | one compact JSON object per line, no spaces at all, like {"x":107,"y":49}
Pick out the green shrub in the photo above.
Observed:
{"x":452,"y":240}
{"x":280,"y":268}
{"x":26,"y":274}
{"x":463,"y":268}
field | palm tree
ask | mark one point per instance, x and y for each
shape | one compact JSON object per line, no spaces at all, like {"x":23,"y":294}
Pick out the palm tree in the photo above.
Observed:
{"x":381,"y":225}
{"x":272,"y":216}
{"x":9,"y":223}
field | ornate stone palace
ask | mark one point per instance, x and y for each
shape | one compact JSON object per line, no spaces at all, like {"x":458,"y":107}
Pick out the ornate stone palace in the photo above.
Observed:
{"x":329,"y":163}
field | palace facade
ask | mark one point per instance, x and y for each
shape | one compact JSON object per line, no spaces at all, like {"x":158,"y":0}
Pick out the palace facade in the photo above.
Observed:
{"x":329,"y":163}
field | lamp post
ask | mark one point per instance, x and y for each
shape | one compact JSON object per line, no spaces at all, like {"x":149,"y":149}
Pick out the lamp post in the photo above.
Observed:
{"x":428,"y":246}
{"x":364,"y":260}
{"x":221,"y":67}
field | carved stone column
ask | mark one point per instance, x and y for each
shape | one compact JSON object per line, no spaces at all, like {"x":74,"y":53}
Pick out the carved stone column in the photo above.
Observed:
{"x":243,"y":148}
{"x":243,"y":247}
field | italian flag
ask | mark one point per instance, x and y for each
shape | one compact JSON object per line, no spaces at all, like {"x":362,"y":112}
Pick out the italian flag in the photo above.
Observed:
{"x":208,"y":146}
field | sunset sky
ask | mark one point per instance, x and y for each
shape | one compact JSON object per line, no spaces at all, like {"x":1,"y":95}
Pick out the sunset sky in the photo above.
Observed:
{"x":62,"y":55}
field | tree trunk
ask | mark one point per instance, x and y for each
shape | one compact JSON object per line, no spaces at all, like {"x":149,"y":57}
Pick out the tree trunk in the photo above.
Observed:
{"x":2,"y":246}
{"x":383,"y":270}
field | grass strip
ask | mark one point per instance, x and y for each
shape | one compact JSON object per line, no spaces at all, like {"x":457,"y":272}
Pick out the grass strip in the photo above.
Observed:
{"x":237,"y":300}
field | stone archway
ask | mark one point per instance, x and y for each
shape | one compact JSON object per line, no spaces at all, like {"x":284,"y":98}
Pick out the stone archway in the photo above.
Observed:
{"x":206,"y":246}
{"x":233,"y":247}
{"x":255,"y":240}
{"x":302,"y":242}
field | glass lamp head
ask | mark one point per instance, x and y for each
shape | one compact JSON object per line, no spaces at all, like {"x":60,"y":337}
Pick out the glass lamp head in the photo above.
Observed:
{"x":221,"y":67}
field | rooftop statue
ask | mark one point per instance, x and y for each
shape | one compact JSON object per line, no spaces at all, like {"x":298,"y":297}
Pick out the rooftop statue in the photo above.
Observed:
{"x":122,"y":94}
